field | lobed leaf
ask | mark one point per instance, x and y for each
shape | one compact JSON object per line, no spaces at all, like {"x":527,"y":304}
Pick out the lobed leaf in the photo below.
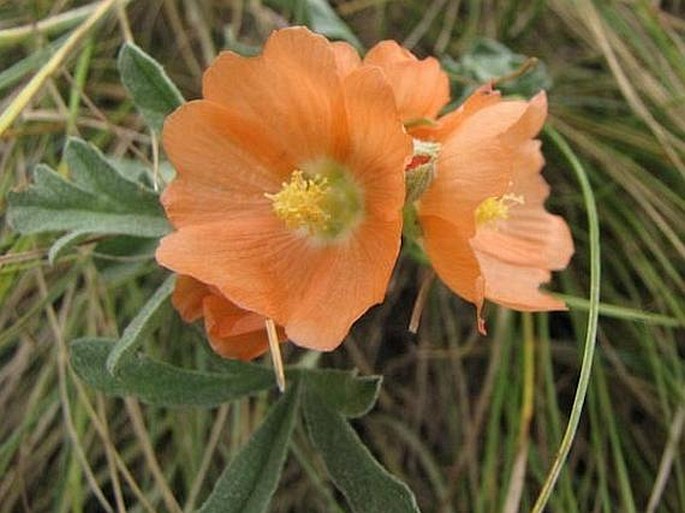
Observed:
{"x":367,"y":486}
{"x":153,"y":93}
{"x":249,"y":481}
{"x":98,"y":200}
{"x":159,"y":383}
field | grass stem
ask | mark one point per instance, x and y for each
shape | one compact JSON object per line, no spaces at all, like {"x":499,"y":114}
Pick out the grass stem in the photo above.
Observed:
{"x":26,"y":95}
{"x":593,"y":316}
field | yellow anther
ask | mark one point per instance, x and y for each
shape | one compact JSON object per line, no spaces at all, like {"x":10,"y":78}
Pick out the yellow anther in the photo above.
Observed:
{"x":495,"y":209}
{"x":303,"y":203}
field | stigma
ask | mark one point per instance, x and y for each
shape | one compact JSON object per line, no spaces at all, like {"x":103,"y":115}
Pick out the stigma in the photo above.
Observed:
{"x":496,"y":208}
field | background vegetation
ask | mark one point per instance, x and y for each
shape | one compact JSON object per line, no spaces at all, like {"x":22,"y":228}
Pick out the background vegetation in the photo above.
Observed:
{"x":472,"y":424}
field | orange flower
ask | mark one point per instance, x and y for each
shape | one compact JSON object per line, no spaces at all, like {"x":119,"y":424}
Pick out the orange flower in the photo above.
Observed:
{"x":484,"y":225}
{"x":290,"y":186}
{"x":232,"y":331}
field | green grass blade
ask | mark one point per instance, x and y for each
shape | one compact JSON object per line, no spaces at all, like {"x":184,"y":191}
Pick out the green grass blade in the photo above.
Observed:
{"x":593,"y":316}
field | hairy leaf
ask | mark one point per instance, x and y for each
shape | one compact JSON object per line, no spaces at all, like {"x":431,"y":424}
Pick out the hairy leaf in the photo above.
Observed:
{"x":159,"y":383}
{"x":98,"y":200}
{"x":141,"y":326}
{"x":64,"y":244}
{"x":249,"y":481}
{"x":344,"y":391}
{"x":153,"y":93}
{"x":367,"y":486}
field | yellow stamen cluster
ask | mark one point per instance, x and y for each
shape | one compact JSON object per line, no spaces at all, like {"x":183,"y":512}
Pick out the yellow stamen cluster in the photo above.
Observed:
{"x":303,"y":203}
{"x":495,"y":209}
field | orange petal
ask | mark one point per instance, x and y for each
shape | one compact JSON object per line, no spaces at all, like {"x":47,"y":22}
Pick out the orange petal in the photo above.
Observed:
{"x":187,"y":297}
{"x":515,"y":286}
{"x":482,"y":97}
{"x":466,"y":175}
{"x":213,"y":146}
{"x":530,"y":123}
{"x":292,"y":91}
{"x":233,"y":255}
{"x":346,"y":57}
{"x":373,"y":116}
{"x":453,"y":259}
{"x":386,"y":53}
{"x":421,"y":87}
{"x":234,"y":332}
{"x":528,"y":162}
{"x":245,"y":347}
{"x":224,"y":166}
{"x":490,"y":122}
{"x":530,"y":236}
{"x":343,"y":284}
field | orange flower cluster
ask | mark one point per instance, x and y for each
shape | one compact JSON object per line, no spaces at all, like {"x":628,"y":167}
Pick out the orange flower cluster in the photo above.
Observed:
{"x":293,"y":173}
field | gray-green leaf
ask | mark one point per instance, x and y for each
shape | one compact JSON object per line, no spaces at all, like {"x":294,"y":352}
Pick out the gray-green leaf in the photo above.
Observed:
{"x":367,"y":486}
{"x":63,"y":244}
{"x":249,"y":481}
{"x":141,"y":326}
{"x":486,"y":60}
{"x":153,"y":93}
{"x":344,"y":391}
{"x":98,"y":200}
{"x":324,"y":20}
{"x":162,"y":384}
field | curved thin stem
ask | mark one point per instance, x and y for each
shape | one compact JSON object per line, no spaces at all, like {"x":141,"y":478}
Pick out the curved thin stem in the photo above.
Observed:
{"x":593,"y":315}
